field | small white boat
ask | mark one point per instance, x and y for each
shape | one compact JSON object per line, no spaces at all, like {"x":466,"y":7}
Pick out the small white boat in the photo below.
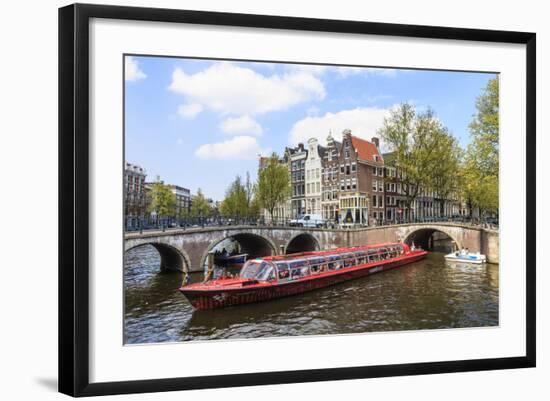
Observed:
{"x":466,"y":257}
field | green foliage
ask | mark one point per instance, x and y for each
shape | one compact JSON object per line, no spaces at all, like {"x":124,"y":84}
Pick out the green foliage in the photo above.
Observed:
{"x":162,"y":200}
{"x":200,"y":206}
{"x":424,"y":152}
{"x":443,"y":178}
{"x":273,"y":188}
{"x":480,"y":170}
{"x":239,"y":200}
{"x":235,"y":203}
{"x":484,"y":130}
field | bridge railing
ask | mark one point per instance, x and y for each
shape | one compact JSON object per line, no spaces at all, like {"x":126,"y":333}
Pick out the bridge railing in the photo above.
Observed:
{"x":141,"y":224}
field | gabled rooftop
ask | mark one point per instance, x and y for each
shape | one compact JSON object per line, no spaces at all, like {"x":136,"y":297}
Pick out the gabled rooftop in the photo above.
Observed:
{"x":367,"y":151}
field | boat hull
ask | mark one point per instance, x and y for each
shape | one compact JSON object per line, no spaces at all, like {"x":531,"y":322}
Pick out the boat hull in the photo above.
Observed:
{"x":475,"y":259}
{"x":211,"y":299}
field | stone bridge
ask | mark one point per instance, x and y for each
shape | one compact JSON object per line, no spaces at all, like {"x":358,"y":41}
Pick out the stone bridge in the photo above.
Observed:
{"x":187,"y":250}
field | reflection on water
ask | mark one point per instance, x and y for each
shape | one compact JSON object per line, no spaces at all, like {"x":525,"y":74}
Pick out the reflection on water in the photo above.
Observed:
{"x":430,"y":294}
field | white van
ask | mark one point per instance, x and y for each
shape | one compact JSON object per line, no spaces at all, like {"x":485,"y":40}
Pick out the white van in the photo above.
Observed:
{"x":309,"y":220}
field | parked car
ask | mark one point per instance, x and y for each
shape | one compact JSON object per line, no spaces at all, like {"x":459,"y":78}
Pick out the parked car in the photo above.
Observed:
{"x":309,"y":220}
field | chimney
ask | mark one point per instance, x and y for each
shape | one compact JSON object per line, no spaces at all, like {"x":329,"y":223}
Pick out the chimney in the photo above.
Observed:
{"x":376,"y":142}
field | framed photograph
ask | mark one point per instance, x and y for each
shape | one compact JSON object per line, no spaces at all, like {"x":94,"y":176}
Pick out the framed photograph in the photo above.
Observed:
{"x":230,"y":184}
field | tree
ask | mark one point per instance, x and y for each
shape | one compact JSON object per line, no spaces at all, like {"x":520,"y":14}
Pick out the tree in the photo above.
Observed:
{"x":443,"y":179}
{"x":200,"y":206}
{"x":162,"y":200}
{"x":236,"y":200}
{"x":480,"y":170}
{"x":484,"y":130}
{"x":273,"y":186}
{"x":249,"y":188}
{"x":418,"y":145}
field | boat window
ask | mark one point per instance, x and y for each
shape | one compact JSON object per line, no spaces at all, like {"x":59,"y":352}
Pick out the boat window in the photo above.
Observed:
{"x":348,"y":262}
{"x":283,"y":270}
{"x":298,"y":263}
{"x":250,"y":269}
{"x":266,"y":272}
{"x":296,"y":273}
{"x":257,"y":269}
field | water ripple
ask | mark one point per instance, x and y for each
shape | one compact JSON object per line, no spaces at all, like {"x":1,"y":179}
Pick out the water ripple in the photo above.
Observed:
{"x":429,"y":294}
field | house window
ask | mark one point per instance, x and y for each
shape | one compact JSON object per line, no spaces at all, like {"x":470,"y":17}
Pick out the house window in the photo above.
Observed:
{"x":374,"y":171}
{"x":347,"y":169}
{"x":374,"y":199}
{"x":354,"y":166}
{"x":342,"y":168}
{"x":374,"y":185}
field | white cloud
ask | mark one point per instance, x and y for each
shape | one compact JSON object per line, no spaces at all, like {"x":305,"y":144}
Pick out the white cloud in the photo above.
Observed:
{"x":363,"y":123}
{"x":132,"y":71}
{"x":241,"y":126}
{"x":313,"y":111}
{"x":237,"y":148}
{"x":189,"y":110}
{"x":230,"y":89}
{"x":342,"y":71}
{"x":348,"y":71}
{"x":308,"y":68}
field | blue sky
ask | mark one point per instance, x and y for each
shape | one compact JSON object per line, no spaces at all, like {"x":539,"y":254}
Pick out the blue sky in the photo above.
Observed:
{"x":199,"y":123}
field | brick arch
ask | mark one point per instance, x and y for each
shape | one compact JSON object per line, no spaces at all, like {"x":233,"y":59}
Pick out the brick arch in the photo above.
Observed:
{"x":308,"y":236}
{"x":409,"y":237}
{"x":243,"y":236}
{"x":171,"y":258}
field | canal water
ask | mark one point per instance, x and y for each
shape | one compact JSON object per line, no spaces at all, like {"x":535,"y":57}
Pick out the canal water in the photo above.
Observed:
{"x":430,"y":294}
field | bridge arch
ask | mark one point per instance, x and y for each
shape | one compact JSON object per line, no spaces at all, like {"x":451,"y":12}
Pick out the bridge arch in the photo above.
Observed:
{"x":254,"y":245}
{"x":302,"y":242}
{"x":424,"y":237}
{"x":171,"y":258}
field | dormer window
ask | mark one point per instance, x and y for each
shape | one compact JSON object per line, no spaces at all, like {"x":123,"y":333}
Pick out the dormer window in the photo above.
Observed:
{"x":376,"y":158}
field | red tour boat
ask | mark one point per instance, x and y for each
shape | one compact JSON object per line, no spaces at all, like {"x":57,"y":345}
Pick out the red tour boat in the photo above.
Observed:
{"x":274,"y":277}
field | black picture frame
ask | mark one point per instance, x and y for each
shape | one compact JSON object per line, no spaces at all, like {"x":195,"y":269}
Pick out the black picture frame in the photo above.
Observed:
{"x":74,"y":198}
